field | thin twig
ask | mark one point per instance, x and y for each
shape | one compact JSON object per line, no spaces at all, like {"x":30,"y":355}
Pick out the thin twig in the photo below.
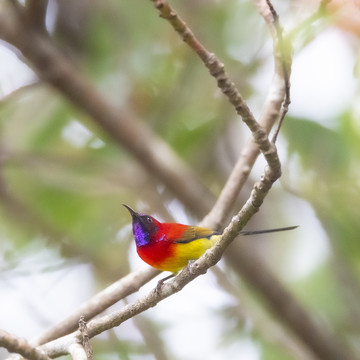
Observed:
{"x":278,"y":91}
{"x":226,"y":85}
{"x":285,"y":59}
{"x":85,"y":341}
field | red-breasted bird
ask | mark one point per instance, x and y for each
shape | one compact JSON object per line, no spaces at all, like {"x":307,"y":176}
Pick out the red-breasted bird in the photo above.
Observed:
{"x":170,"y":246}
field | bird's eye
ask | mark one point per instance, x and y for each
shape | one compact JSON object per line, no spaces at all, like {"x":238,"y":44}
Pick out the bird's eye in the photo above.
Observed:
{"x":149,"y":220}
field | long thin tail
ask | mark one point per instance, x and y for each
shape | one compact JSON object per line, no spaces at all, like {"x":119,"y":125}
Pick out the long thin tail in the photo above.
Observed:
{"x":255,"y":232}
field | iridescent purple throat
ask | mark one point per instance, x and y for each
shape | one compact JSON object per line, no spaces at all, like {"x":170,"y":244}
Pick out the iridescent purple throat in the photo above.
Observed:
{"x":141,"y":237}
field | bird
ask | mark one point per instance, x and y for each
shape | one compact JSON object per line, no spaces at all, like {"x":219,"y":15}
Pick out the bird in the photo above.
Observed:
{"x":171,"y":246}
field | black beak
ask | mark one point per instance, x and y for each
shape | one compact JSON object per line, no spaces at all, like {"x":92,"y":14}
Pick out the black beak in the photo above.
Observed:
{"x":131,"y":211}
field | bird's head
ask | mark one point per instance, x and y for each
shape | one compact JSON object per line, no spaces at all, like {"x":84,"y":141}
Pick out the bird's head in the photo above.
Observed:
{"x":145,"y":227}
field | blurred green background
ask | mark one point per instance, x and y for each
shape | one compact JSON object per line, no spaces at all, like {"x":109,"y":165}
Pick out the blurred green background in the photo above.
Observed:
{"x":64,"y":234}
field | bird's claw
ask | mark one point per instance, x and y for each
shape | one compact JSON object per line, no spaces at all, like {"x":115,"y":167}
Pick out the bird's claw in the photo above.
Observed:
{"x":160,"y":283}
{"x":159,"y":286}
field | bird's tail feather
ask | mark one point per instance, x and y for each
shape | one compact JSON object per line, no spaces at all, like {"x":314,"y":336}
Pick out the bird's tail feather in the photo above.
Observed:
{"x":255,"y":232}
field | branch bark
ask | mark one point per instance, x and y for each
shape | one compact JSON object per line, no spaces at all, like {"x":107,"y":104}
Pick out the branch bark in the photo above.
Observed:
{"x":20,"y":346}
{"x":99,"y":303}
{"x":277,"y":95}
{"x":226,"y":85}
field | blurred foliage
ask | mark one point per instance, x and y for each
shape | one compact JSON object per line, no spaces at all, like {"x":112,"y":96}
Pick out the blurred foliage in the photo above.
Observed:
{"x":62,"y":180}
{"x":329,"y":159}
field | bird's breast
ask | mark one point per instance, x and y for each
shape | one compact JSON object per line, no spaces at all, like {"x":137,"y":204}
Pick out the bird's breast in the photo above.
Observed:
{"x":170,"y":256}
{"x":159,"y":255}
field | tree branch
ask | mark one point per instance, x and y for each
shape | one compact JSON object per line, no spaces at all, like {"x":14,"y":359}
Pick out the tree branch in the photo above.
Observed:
{"x":278,"y":94}
{"x":210,"y":258}
{"x":226,"y":85}
{"x":20,"y":346}
{"x":85,"y":341}
{"x":99,"y":303}
{"x":320,"y":340}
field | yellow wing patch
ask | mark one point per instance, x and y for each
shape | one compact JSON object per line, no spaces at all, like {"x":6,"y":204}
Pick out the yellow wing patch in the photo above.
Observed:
{"x":193,"y":246}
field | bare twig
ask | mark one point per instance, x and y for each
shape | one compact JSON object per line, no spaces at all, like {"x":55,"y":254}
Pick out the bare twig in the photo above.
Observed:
{"x":217,"y":70}
{"x":285,"y":59}
{"x":20,"y":346}
{"x":278,"y":91}
{"x":85,"y":341}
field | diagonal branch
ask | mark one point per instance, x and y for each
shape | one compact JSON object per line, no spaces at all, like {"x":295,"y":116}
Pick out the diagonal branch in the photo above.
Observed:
{"x":20,"y":346}
{"x":210,"y":258}
{"x":319,"y":339}
{"x":98,"y":303}
{"x":278,"y":95}
{"x":226,"y":85}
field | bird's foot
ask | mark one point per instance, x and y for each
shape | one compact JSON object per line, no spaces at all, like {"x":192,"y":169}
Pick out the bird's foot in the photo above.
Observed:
{"x":161,"y":282}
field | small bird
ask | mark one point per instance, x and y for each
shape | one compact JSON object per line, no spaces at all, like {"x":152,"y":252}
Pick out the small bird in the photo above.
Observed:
{"x":170,"y":246}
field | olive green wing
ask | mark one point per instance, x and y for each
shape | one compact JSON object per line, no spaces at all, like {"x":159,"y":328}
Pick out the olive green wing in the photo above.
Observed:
{"x":193,"y":233}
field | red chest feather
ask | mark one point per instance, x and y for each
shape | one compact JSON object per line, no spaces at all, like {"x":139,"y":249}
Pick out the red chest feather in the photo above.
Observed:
{"x":157,"y":253}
